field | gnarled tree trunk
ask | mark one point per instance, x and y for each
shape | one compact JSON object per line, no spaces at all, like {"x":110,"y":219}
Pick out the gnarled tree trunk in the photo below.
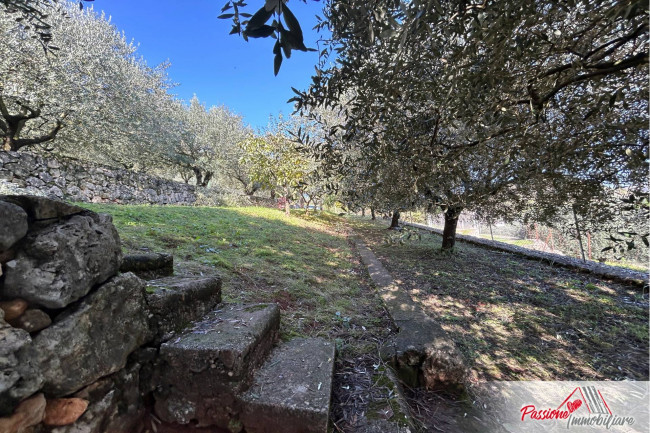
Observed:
{"x":449,"y":232}
{"x":394,"y":223}
{"x":372,"y":213}
{"x":202,"y":180}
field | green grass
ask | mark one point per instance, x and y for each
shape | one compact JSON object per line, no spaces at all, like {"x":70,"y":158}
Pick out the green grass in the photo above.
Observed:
{"x":520,"y":319}
{"x":303,"y":262}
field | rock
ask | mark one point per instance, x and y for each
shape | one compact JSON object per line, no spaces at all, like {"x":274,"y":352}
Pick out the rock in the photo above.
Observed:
{"x":175,"y":302}
{"x":94,"y":338}
{"x":423,"y":354}
{"x":19,"y":378}
{"x":58,"y":264}
{"x":7,"y":255}
{"x":13,"y":224}
{"x":149,"y":266}
{"x":13,"y":309}
{"x":115,"y":405}
{"x":64,"y":411}
{"x":29,"y":413}
{"x":33,"y":320}
{"x":43,"y":209}
{"x":203,"y":370}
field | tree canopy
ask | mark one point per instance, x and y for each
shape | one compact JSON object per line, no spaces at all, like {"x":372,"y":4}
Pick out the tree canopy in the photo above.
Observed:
{"x":478,"y":102}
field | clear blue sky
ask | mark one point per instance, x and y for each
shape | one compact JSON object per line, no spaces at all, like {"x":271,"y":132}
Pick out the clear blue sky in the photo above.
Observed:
{"x":220,"y":69}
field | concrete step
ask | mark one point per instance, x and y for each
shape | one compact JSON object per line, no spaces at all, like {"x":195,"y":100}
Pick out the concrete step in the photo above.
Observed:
{"x":175,"y":302}
{"x":148,"y":266}
{"x":291,"y":392}
{"x":204,"y":369}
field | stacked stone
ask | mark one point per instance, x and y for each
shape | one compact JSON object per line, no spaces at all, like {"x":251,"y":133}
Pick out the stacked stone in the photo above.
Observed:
{"x":64,"y":178}
{"x":68,"y":321}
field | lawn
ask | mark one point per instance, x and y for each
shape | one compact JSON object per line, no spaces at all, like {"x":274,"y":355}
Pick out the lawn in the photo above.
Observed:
{"x":520,"y":319}
{"x":513,"y":318}
{"x":304,"y":263}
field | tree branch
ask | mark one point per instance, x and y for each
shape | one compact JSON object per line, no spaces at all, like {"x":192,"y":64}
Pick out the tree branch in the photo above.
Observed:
{"x":42,"y":139}
{"x":603,"y":69}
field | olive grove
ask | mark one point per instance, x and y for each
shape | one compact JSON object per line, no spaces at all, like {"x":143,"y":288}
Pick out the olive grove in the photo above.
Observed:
{"x":488,"y":104}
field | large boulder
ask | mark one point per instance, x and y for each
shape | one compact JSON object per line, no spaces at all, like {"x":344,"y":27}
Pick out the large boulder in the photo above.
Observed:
{"x":94,"y":338}
{"x":13,"y":224}
{"x":18,"y":376}
{"x":58,"y":264}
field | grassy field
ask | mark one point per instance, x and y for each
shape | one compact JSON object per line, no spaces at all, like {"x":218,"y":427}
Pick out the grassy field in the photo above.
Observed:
{"x":520,"y":319}
{"x":304,"y":263}
{"x":513,"y":318}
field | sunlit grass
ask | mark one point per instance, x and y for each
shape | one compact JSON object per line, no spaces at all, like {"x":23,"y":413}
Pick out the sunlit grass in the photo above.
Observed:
{"x":302,"y":262}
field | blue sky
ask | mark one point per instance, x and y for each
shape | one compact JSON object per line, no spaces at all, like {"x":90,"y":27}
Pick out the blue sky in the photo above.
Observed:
{"x":220,"y":69}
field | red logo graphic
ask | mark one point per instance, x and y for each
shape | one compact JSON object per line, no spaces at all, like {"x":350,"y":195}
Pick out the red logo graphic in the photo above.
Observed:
{"x":573,"y":405}
{"x":585,"y":406}
{"x":592,"y":399}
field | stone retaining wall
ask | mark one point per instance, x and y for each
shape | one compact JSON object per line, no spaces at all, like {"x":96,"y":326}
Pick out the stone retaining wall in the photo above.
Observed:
{"x":64,"y":178}
{"x":79,"y":336}
{"x":623,"y":275}
{"x":68,"y":320}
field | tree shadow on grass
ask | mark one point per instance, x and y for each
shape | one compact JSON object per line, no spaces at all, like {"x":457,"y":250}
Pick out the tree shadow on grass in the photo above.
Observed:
{"x":520,"y":319}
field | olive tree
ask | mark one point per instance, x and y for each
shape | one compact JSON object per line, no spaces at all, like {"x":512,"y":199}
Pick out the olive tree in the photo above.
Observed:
{"x":482,"y":100}
{"x":93,"y":97}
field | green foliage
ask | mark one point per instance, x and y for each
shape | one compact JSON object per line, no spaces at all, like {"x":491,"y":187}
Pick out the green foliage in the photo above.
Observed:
{"x":472,"y":106}
{"x":402,"y":236}
{"x":274,"y":161}
{"x":288,"y":34}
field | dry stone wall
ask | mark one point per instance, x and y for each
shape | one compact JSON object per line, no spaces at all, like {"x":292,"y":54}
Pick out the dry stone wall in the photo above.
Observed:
{"x":79,"y":333}
{"x":68,"y":179}
{"x":68,"y":320}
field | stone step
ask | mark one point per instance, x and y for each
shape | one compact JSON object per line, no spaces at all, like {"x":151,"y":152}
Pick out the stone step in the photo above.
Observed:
{"x":148,"y":266}
{"x":175,"y":302}
{"x":203,"y":370}
{"x":291,"y":392}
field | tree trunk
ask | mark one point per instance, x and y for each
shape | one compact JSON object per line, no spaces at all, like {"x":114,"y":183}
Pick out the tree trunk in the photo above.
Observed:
{"x":272,"y":194}
{"x":582,"y":250}
{"x":394,"y":223}
{"x":201,"y":179}
{"x":363,"y":212}
{"x":207,"y":178}
{"x":287,"y":206}
{"x":372,"y":213}
{"x":449,"y":231}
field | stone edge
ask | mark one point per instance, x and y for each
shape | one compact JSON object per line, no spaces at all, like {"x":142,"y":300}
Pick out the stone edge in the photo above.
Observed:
{"x":631,"y":277}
